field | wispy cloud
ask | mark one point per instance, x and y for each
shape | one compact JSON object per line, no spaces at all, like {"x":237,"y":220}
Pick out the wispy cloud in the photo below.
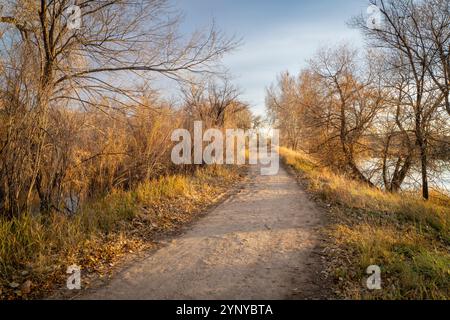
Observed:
{"x":277,"y":35}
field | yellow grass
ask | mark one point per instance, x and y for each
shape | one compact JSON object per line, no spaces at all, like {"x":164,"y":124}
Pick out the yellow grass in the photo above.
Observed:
{"x":40,"y":248}
{"x":407,"y":237}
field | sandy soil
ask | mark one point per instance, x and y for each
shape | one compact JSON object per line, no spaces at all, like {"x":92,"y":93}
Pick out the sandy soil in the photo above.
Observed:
{"x":261,"y":243}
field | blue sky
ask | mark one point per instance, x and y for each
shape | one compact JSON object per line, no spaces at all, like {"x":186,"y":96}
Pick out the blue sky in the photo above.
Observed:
{"x":277,"y":35}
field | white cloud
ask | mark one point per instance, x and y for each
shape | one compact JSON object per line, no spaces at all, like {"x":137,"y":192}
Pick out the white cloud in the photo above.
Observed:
{"x":287,"y":47}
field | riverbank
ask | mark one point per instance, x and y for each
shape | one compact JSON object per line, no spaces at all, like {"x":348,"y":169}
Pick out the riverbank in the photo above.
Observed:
{"x":409,"y":239}
{"x":35,"y":250}
{"x":438,"y":174}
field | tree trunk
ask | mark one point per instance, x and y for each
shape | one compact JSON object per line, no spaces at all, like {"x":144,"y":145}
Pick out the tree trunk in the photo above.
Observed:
{"x":424,"y":164}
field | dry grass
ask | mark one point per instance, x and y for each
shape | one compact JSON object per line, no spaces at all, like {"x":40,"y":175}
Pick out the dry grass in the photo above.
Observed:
{"x":407,"y":237}
{"x":38,"y":249}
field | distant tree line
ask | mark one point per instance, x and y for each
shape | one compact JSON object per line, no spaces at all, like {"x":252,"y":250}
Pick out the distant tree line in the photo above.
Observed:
{"x":389,"y":101}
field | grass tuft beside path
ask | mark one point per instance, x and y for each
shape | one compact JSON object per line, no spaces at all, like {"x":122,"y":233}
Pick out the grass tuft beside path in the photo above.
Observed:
{"x":36,"y":250}
{"x":407,"y":237}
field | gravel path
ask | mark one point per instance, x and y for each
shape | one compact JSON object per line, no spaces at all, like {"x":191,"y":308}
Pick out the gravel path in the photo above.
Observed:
{"x":258,"y":244}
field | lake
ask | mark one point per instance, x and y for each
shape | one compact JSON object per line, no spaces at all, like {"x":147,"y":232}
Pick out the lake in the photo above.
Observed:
{"x":438,"y":174}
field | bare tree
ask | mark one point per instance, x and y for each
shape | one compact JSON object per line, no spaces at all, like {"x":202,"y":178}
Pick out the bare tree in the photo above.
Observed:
{"x":419,"y":32}
{"x":210,"y":100}
{"x":434,"y":32}
{"x":49,"y":66}
{"x":352,"y":99}
{"x":284,"y":107}
{"x":396,"y":129}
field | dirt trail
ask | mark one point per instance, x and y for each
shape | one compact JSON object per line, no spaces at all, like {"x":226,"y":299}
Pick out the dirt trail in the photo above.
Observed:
{"x":258,"y":244}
